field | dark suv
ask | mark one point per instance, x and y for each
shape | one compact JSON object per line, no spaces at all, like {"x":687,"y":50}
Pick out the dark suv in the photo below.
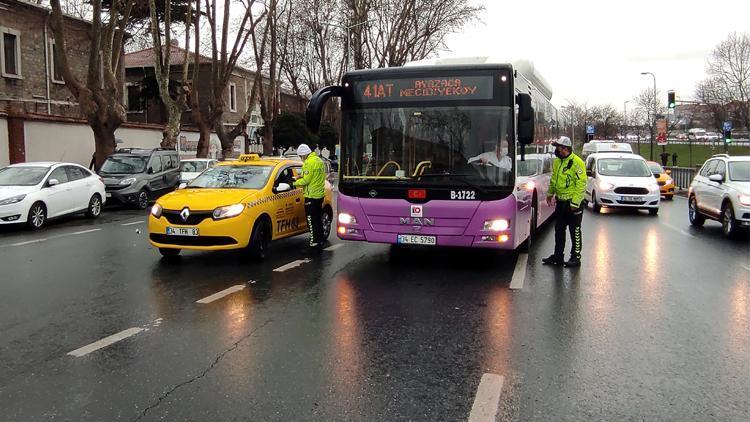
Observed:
{"x":135,"y":176}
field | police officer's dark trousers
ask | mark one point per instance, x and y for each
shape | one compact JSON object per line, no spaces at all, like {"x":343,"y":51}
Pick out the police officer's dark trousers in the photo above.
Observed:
{"x":565,"y":218}
{"x":314,"y":213}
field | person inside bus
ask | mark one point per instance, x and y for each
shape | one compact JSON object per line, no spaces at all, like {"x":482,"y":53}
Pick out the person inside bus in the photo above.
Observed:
{"x":498,"y":158}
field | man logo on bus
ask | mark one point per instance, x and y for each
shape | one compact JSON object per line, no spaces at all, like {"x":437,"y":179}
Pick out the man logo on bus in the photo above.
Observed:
{"x":416,"y":210}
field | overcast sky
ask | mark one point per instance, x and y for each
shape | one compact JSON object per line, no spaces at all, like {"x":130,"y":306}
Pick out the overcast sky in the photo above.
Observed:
{"x":594,"y":51}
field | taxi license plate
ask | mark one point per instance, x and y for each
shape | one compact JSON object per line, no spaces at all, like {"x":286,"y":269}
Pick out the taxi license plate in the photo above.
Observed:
{"x":631,"y":198}
{"x":413,"y":239}
{"x":180,"y":231}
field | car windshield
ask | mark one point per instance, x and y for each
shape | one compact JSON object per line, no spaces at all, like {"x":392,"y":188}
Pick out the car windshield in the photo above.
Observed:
{"x":739,"y":171}
{"x":233,"y":177}
{"x":623,"y":167}
{"x":192,"y":166}
{"x":22,"y":176}
{"x":529,"y":167}
{"x":655,"y":168}
{"x":124,"y":164}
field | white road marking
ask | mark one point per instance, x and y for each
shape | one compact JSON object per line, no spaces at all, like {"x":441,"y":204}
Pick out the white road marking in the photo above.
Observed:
{"x":221,"y":294}
{"x":28,"y":242}
{"x":291,"y":265}
{"x":82,"y":232}
{"x":487,"y":399}
{"x":114,"y":338}
{"x":519,"y":274}
{"x":678,"y":230}
{"x":133,"y":223}
{"x":334,"y":247}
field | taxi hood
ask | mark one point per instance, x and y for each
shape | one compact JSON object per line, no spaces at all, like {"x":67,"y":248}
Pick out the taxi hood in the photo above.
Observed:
{"x":206,"y":199}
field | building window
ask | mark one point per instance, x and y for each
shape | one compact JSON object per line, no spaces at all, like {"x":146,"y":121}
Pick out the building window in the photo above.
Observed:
{"x":232,"y":97}
{"x":55,"y":66}
{"x":133,"y":101}
{"x":10,"y":53}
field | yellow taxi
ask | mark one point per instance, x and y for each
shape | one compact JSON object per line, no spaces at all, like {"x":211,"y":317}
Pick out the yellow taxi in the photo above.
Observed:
{"x":242,"y":204}
{"x":663,"y":178}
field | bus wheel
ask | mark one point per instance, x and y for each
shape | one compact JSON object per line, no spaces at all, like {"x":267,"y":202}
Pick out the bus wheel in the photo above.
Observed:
{"x":526,"y":245}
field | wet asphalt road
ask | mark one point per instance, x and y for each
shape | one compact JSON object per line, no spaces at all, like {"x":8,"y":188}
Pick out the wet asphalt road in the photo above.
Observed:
{"x":654,"y":326}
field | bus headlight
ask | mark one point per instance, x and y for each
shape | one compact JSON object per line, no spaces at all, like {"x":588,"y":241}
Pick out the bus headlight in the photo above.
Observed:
{"x":228,"y":212}
{"x":496,"y":225}
{"x":345,"y":218}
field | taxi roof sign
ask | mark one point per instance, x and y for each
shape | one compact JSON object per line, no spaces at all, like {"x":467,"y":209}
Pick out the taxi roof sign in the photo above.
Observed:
{"x":249,"y":157}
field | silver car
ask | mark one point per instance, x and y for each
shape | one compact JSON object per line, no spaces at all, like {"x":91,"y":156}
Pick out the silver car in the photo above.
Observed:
{"x":721,"y":191}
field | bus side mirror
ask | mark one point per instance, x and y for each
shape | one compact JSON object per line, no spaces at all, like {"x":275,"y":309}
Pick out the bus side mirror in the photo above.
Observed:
{"x":525,"y":119}
{"x":317,"y":103}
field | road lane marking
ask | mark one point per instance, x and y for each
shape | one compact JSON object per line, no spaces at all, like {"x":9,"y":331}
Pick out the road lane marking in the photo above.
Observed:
{"x":487,"y":399}
{"x":133,"y":223}
{"x":107,"y":341}
{"x":334,"y":247}
{"x":678,"y":230}
{"x":82,"y":232}
{"x":28,"y":242}
{"x":519,"y":273}
{"x":221,"y":294}
{"x":293,"y":264}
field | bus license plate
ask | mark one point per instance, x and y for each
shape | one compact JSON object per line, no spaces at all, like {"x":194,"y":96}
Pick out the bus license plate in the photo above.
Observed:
{"x":180,"y":231}
{"x":631,"y":198}
{"x":413,"y":239}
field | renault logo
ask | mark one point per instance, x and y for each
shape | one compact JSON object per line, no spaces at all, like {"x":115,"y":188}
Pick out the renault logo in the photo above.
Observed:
{"x":185,"y":214}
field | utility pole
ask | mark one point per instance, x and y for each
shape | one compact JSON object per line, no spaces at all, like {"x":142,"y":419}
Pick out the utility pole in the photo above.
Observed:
{"x":624,"y":117}
{"x":653,"y":120}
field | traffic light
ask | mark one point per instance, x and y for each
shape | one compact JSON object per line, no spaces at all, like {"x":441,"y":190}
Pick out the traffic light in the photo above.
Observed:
{"x":670,"y":99}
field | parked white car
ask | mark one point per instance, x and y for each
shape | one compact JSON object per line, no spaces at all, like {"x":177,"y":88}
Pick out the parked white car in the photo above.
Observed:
{"x":32,"y":193}
{"x":618,"y":180}
{"x":191,"y":168}
{"x":721,"y":191}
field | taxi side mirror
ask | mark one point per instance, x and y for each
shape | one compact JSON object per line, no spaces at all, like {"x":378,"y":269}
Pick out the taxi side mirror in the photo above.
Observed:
{"x":282,"y":187}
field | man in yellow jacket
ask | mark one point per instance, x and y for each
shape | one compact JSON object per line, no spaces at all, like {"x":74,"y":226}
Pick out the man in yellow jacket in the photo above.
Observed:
{"x":313,"y":182}
{"x":567,"y":187}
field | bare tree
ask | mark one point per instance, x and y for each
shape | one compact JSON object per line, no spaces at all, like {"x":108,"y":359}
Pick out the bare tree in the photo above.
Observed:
{"x":174,"y":99}
{"x":606,"y":118}
{"x":100,"y":96}
{"x":579,"y":114}
{"x":728,"y":72}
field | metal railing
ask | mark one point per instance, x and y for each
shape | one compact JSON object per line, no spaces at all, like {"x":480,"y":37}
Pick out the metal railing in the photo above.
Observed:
{"x":682,"y":176}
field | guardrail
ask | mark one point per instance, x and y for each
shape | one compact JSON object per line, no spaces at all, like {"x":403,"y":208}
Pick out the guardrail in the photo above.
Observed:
{"x":682,"y":176}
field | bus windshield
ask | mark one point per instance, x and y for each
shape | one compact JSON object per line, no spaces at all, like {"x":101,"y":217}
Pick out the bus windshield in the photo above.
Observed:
{"x":429,"y":145}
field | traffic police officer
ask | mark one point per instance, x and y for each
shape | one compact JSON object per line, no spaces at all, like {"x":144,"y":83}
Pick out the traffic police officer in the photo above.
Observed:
{"x":567,"y":185}
{"x":313,"y":185}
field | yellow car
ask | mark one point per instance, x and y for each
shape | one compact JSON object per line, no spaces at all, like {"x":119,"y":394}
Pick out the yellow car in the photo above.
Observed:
{"x":241,"y":204}
{"x":663,"y":178}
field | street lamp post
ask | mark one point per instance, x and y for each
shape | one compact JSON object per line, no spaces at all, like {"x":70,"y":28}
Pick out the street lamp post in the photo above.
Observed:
{"x":653,"y":123}
{"x":624,"y":117}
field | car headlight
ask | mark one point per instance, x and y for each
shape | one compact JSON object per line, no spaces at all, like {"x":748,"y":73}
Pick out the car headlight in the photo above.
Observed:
{"x":12,"y":200}
{"x":128,"y":181}
{"x":496,"y":225}
{"x":605,"y":185}
{"x":745,"y":199}
{"x":654,"y":188}
{"x":156,"y":210}
{"x":345,"y":218}
{"x":228,"y":211}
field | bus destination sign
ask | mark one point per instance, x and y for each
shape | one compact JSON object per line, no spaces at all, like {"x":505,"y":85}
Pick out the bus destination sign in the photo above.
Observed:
{"x":424,"y":89}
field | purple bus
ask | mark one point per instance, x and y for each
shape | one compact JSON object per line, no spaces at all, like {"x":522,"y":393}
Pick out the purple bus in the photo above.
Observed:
{"x":428,"y":153}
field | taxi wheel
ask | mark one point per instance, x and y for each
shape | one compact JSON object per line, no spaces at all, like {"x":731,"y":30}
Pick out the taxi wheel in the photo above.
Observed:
{"x":327,"y":222}
{"x":259,"y":240}
{"x":169,"y":252}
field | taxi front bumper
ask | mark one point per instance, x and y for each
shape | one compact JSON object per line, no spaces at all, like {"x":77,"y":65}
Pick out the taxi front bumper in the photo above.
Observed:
{"x":212,"y":235}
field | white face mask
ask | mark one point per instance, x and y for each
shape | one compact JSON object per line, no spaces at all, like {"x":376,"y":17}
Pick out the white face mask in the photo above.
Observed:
{"x":504,"y":151}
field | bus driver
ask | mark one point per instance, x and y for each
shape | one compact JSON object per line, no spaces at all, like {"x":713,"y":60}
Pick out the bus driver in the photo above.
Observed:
{"x":498,"y":158}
